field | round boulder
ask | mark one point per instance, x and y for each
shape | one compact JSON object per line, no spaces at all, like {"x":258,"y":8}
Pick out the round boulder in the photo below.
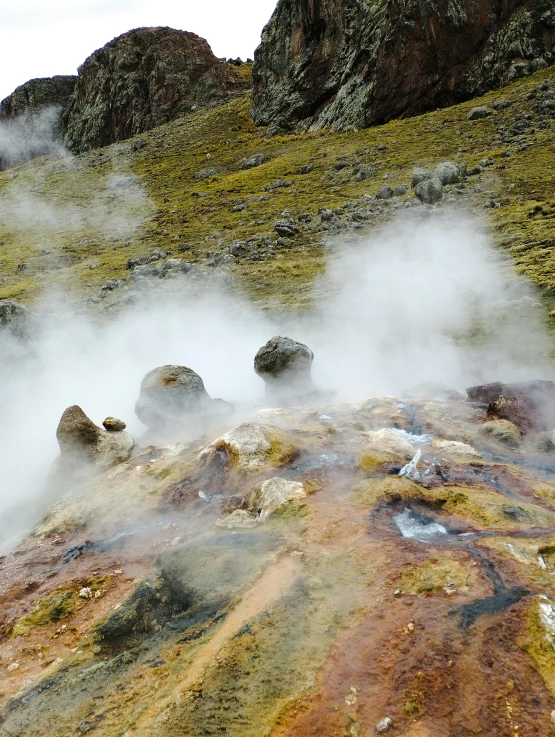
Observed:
{"x":84,"y":444}
{"x":447,"y":172}
{"x":419,"y":175}
{"x":170,"y":393}
{"x":285,"y":367}
{"x":429,"y":191}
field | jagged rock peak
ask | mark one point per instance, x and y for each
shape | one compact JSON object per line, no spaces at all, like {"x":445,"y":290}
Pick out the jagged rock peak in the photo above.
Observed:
{"x":354,"y":63}
{"x":36,"y":94}
{"x":140,"y":80}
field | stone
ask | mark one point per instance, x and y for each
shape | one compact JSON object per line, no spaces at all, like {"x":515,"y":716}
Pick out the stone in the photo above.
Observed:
{"x":273,"y":494}
{"x":429,"y":191}
{"x":239,"y":519}
{"x":383,"y":725}
{"x":530,"y":405}
{"x":479,"y":112}
{"x":171,"y":397}
{"x":433,"y":390}
{"x":253,"y":161}
{"x":400,"y":190}
{"x":502,"y":104}
{"x":286,"y":228}
{"x":209,"y":172}
{"x":349,"y":65}
{"x":140,"y":80}
{"x":388,"y":441}
{"x":419,"y":175}
{"x":113,"y":424}
{"x":85,"y":593}
{"x":250,"y":447}
{"x":503,"y":431}
{"x":384,"y":193}
{"x":453,"y":447}
{"x":447,"y":172}
{"x":15,"y":317}
{"x":306,"y":169}
{"x":285,"y":366}
{"x":84,"y":445}
{"x":239,"y":248}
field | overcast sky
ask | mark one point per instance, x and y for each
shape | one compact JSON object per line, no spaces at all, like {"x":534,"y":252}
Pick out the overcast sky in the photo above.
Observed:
{"x":40,"y":38}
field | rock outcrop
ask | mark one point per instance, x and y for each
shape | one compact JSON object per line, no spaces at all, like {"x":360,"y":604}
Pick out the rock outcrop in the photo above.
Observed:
{"x":346,"y":63}
{"x":530,"y":405}
{"x":143,"y":79}
{"x":31,"y":119}
{"x":285,"y":364}
{"x":84,"y":445}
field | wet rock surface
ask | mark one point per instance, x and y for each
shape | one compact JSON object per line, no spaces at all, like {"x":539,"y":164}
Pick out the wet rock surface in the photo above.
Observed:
{"x":408,"y":604}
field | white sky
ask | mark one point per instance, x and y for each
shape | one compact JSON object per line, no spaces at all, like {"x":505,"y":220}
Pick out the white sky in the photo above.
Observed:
{"x":40,"y":38}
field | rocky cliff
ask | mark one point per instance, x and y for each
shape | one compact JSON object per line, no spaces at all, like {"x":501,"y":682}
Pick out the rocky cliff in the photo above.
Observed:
{"x":31,"y":119}
{"x":344,"y":63}
{"x":143,"y":79}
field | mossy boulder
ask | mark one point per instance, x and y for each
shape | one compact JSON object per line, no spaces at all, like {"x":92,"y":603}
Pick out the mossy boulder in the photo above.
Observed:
{"x":251,"y":447}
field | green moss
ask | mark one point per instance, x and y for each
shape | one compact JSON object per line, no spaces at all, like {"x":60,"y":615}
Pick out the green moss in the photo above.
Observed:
{"x":370,"y":461}
{"x":540,"y":648}
{"x":200,"y":212}
{"x":58,"y":606}
{"x":434,"y":576}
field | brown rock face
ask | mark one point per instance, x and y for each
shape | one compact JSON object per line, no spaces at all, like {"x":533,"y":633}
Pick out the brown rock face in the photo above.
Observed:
{"x":530,"y":405}
{"x":351,"y":63}
{"x":140,"y":80}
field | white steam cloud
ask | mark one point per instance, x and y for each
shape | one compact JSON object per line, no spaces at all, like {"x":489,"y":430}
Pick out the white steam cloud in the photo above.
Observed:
{"x":30,"y":135}
{"x":422,"y":300}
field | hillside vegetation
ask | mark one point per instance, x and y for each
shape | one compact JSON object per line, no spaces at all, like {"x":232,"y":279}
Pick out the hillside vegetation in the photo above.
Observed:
{"x":76,"y":222}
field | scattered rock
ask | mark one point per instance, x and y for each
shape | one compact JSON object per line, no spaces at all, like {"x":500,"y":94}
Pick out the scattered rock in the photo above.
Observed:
{"x":239,"y":519}
{"x":285,"y":366}
{"x":306,"y":169}
{"x":15,"y":317}
{"x":209,"y":172}
{"x":502,"y":104}
{"x":383,"y":725}
{"x":384,"y":193}
{"x":503,"y":431}
{"x":419,"y":175}
{"x":273,"y":494}
{"x":250,"y":447}
{"x":479,"y":112}
{"x":113,"y":424}
{"x":83,"y":444}
{"x":286,"y":228}
{"x":388,"y":441}
{"x":400,"y":190}
{"x":429,"y":191}
{"x":253,"y":161}
{"x":453,"y":447}
{"x":172,"y":397}
{"x":447,"y":173}
{"x":85,"y":593}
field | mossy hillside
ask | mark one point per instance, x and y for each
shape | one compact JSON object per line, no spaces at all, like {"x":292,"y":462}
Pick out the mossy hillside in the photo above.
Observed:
{"x":200,"y":212}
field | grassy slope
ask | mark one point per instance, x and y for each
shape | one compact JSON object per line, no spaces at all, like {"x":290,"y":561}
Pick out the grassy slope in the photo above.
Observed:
{"x":172,"y":155}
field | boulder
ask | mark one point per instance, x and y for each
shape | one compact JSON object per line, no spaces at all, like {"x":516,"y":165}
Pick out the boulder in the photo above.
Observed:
{"x":429,"y":191}
{"x":251,"y":162}
{"x":479,"y":112}
{"x":349,"y":65}
{"x":419,"y":175}
{"x":173,"y":396}
{"x":84,"y":445}
{"x":239,"y":519}
{"x":273,"y":494}
{"x":384,"y":193}
{"x":503,"y":431}
{"x":285,"y":365}
{"x":388,"y":441}
{"x":453,"y":447}
{"x":250,"y":447}
{"x":530,"y":405}
{"x":140,"y":80}
{"x":447,"y":172}
{"x":113,"y":424}
{"x":15,"y":317}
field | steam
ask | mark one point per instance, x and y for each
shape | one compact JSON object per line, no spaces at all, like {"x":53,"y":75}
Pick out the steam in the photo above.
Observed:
{"x":30,"y":135}
{"x":421,"y":300}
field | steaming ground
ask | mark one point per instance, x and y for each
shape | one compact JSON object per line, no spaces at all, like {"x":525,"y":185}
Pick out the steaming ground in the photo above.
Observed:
{"x":423,"y":300}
